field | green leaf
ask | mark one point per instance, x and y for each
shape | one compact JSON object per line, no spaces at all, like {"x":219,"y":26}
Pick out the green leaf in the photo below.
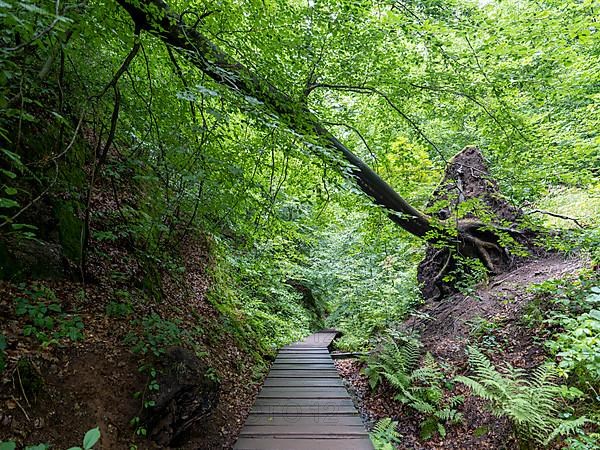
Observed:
{"x":91,"y":438}
{"x":32,"y":8}
{"x":8,"y":203}
{"x":480,"y":431}
{"x":9,"y":174}
{"x":10,"y":445}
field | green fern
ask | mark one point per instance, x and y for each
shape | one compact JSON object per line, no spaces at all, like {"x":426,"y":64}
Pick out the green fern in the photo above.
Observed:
{"x":417,"y":386}
{"x":385,"y":435}
{"x":529,"y":402}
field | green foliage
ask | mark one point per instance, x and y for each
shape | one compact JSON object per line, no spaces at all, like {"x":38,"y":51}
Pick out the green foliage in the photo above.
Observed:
{"x":365,"y":270}
{"x":384,"y":435}
{"x":468,"y":274}
{"x":530,"y":403}
{"x":420,"y":387}
{"x":484,"y":332}
{"x":578,"y":346}
{"x":571,"y":315}
{"x":46,"y":320}
{"x":584,"y":442}
{"x":252,"y":293}
{"x":117,"y":309}
{"x":190,"y":158}
{"x":89,"y":441}
{"x":156,"y":335}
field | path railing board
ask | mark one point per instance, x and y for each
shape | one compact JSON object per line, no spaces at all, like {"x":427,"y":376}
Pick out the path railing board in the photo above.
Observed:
{"x":303,"y":404}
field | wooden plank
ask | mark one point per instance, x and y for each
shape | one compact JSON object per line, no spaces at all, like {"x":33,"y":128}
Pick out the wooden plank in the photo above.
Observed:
{"x":304,"y":353}
{"x":290,"y":419}
{"x":304,"y":402}
{"x":306,"y":350}
{"x":287,"y":373}
{"x":362,"y":443}
{"x":298,"y":374}
{"x":304,"y":430}
{"x":303,"y":382}
{"x":303,"y":358}
{"x":303,"y":392}
{"x":309,"y":410}
{"x":278,"y":410}
{"x":322,"y":360}
{"x":300,"y":366}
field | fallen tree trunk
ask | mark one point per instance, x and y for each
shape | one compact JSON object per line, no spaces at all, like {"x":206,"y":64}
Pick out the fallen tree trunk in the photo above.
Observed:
{"x":450,"y":236}
{"x":156,"y":17}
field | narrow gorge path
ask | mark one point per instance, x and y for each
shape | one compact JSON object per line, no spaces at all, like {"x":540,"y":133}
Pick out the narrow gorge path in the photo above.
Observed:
{"x":303,"y":404}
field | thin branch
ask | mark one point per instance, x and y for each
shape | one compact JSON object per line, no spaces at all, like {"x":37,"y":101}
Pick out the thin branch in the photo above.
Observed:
{"x":368,"y":89}
{"x":358,"y":133}
{"x":125,"y":65}
{"x":559,"y":216}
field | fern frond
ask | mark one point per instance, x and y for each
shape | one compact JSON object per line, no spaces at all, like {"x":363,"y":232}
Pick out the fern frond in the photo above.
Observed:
{"x":529,"y":402}
{"x":566,"y":427}
{"x":449,"y":415}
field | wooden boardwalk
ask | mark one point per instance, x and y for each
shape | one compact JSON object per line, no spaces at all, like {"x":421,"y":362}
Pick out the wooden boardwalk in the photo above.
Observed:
{"x":303,"y":404}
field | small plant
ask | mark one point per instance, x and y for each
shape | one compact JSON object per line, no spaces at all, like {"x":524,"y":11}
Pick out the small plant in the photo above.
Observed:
{"x":47,"y":321}
{"x":89,"y":440}
{"x":385,"y":435}
{"x":584,"y":442}
{"x":116,"y":309}
{"x":157,"y":335}
{"x":530,"y":403}
{"x":212,"y":375}
{"x":469,"y":273}
{"x":569,"y":319}
{"x":483,"y":331}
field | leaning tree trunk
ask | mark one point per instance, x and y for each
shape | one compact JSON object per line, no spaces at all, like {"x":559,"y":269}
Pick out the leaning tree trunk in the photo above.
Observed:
{"x":467,"y":175}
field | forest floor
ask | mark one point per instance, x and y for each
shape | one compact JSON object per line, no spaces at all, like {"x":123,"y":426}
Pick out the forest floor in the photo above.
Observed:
{"x":54,"y":391}
{"x":491,"y":317}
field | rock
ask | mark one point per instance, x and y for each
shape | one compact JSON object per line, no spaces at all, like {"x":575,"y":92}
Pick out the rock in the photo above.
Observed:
{"x":185,"y":398}
{"x":30,"y":257}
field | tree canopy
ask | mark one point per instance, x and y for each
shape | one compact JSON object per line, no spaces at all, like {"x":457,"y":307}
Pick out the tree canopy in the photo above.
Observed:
{"x":181,"y":165}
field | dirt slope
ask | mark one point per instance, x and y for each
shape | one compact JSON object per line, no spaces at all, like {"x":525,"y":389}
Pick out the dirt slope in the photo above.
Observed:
{"x":490,"y":316}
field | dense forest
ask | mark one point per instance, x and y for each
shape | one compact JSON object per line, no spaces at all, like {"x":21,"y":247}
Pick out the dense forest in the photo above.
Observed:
{"x":186,"y":187}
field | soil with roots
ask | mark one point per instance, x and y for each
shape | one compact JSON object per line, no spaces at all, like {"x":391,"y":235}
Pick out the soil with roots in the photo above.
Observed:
{"x":486,"y":215}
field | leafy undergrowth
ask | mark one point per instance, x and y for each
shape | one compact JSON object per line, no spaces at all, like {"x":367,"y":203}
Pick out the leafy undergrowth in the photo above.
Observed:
{"x":510,"y":365}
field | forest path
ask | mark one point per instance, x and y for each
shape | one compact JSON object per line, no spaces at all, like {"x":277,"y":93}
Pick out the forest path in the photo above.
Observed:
{"x":303,"y":404}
